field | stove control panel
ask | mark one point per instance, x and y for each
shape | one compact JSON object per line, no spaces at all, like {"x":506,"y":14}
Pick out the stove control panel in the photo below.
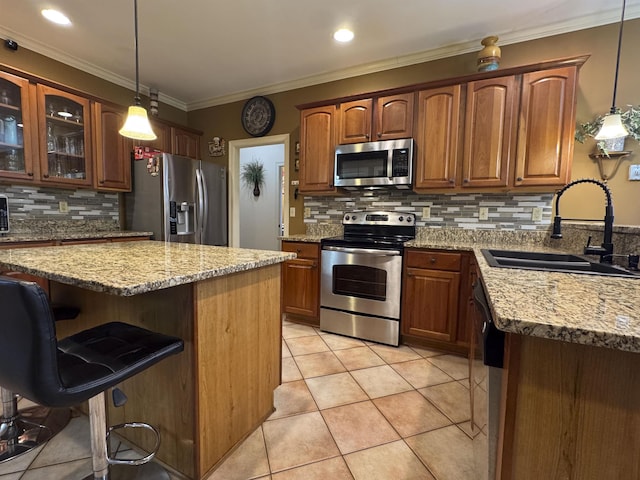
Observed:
{"x":379,"y":218}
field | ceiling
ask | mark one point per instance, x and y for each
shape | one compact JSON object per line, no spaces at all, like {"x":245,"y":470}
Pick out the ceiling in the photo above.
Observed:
{"x":200,"y":53}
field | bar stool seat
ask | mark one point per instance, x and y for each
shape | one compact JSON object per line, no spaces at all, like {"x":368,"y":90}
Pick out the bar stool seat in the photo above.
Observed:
{"x":83,"y":366}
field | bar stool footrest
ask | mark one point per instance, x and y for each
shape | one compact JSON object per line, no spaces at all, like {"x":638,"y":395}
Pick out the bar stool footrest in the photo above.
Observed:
{"x":134,"y":461}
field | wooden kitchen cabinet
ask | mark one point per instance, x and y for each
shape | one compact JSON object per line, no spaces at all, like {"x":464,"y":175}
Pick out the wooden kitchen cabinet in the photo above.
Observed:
{"x":301,"y":282}
{"x":317,"y":149}
{"x":546,"y":129}
{"x":185,"y":143}
{"x":112,"y":150}
{"x":65,"y":138}
{"x":489,"y":132}
{"x":434,"y":299}
{"x":18,"y":132}
{"x":438,"y":138}
{"x":371,"y":120}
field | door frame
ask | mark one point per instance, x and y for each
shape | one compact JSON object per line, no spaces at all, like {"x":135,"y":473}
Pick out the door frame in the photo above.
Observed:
{"x":234,"y":181}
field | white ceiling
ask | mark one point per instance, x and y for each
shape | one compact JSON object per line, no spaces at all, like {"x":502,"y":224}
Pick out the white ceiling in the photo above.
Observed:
{"x":200,"y":53}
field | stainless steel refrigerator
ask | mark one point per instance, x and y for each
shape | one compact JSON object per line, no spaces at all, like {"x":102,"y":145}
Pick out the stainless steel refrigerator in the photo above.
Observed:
{"x":179,"y":199}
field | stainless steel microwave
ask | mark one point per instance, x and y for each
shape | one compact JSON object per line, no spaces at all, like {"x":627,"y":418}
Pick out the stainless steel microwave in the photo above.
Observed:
{"x":386,"y":163}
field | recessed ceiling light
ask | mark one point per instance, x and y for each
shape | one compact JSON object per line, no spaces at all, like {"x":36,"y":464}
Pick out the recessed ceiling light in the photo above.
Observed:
{"x":56,"y":17}
{"x":343,"y":35}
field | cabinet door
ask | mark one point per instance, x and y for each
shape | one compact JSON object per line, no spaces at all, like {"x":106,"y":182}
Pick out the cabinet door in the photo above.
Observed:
{"x":185,"y":143}
{"x":18,"y":126}
{"x":65,"y":137}
{"x":163,"y":142}
{"x":317,"y":149}
{"x":490,"y":133}
{"x":437,"y":138}
{"x":112,"y":150}
{"x":394,"y":117}
{"x":354,"y":121}
{"x":545,"y":134}
{"x":300,"y":287}
{"x":430,"y":305}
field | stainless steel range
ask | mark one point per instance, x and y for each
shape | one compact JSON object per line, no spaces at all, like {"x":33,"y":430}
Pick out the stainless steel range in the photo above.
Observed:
{"x":361,"y":276}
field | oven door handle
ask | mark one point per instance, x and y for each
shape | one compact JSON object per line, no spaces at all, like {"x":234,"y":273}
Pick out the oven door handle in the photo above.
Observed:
{"x":368,"y":251}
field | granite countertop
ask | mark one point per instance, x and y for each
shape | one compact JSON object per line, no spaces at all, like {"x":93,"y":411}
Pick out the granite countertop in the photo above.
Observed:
{"x":66,"y":235}
{"x":601,"y":311}
{"x":131,"y":268}
{"x":303,"y":237}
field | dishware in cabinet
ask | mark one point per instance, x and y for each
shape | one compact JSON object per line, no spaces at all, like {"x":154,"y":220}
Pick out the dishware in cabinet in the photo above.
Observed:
{"x":65,"y":137}
{"x":17,"y":140}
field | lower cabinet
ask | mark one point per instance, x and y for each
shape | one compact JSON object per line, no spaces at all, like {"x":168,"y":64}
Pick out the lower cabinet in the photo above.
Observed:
{"x":301,"y":283}
{"x":435,"y":299}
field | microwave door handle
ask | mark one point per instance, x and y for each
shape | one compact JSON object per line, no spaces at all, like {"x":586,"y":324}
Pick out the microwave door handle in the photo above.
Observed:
{"x":368,"y":251}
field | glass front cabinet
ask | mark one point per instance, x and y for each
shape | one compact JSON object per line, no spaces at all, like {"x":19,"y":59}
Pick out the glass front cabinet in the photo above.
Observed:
{"x":17,"y":130}
{"x":64,"y":137}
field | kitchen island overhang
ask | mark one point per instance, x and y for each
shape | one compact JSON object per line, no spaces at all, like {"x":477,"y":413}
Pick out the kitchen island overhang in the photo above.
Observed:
{"x":223,"y":302}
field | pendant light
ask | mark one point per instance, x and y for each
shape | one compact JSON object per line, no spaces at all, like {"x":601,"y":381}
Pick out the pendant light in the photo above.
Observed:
{"x":137,"y":124}
{"x":612,"y":126}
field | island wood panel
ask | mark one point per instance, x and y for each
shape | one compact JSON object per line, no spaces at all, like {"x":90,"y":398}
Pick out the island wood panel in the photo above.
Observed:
{"x":575,"y":413}
{"x":238,"y":354}
{"x":164,"y":394}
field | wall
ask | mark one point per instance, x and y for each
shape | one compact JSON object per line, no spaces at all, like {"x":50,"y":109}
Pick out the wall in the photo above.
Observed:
{"x":594,"y":97}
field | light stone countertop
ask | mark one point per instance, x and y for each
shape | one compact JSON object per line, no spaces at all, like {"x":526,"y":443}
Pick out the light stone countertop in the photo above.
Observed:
{"x":66,"y":235}
{"x":302,"y":237}
{"x":131,"y":268}
{"x":596,"y":310}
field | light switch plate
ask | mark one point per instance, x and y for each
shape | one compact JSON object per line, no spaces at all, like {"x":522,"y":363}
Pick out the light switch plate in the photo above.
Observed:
{"x":307,"y":212}
{"x":63,"y":207}
{"x":483,"y":213}
{"x":634,"y":172}
{"x":536,"y":214}
{"x":426,"y":213}
{"x":292,"y":211}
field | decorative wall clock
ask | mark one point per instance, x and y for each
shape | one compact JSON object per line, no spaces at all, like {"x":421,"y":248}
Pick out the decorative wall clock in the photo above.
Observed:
{"x":258,"y":115}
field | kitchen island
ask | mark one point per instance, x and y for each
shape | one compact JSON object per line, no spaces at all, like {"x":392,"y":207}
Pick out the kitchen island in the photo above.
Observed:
{"x":223,"y":302}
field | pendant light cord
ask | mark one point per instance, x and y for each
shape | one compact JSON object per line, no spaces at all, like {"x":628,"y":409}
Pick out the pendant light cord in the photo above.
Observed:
{"x":135,"y":20}
{"x":615,"y":81}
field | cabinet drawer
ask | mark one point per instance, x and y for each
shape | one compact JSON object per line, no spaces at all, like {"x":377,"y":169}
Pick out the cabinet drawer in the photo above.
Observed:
{"x":302,"y":249}
{"x":434,"y":260}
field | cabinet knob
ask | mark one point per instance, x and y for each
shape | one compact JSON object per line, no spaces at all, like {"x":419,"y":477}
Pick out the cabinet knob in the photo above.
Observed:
{"x":46,"y":175}
{"x":314,"y":265}
{"x":433,"y":260}
{"x":30,"y":174}
{"x":466,"y":180}
{"x":452,"y":181}
{"x":101,"y":182}
{"x":298,"y":250}
{"x":519,"y":179}
{"x":367,"y":136}
{"x":379,"y":135}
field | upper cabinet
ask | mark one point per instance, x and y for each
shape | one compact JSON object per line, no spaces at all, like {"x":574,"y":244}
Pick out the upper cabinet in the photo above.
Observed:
{"x":18,"y":136}
{"x":491,"y":131}
{"x":112,"y":151}
{"x":317,"y":149}
{"x":545,"y":133}
{"x":64,"y":132}
{"x":370,"y":120}
{"x":185,"y":143}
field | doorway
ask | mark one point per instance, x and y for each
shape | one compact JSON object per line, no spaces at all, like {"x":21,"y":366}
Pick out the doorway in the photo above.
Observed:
{"x":256,"y":222}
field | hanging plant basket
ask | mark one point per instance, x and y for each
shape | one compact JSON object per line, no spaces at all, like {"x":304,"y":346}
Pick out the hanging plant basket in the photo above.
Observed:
{"x":253,"y":176}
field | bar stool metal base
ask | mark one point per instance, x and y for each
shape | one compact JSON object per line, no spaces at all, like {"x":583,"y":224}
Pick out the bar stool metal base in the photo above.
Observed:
{"x":31,"y":428}
{"x":148,"y":471}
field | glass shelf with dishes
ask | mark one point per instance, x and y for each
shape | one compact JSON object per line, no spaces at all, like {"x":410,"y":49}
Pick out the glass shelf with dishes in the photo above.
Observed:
{"x":65,"y":138}
{"x":12,"y":155}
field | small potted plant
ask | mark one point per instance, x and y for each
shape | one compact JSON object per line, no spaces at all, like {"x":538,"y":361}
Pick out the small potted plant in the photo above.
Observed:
{"x":253,"y":176}
{"x":631,"y":121}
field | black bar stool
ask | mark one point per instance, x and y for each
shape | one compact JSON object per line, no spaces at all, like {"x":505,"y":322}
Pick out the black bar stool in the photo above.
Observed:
{"x":83,"y":366}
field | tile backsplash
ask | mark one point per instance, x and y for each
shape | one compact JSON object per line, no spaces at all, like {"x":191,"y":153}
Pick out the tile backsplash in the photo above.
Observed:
{"x":505,"y":211}
{"x":30,"y":205}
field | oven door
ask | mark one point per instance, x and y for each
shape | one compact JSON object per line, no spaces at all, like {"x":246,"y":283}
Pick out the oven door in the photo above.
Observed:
{"x":361,"y":280}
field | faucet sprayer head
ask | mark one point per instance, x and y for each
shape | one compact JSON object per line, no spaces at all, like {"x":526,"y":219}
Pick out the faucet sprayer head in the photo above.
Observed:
{"x":557,"y":229}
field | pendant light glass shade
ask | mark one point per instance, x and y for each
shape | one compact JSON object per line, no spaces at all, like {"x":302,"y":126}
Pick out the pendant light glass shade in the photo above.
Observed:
{"x":612,"y":127}
{"x":137,"y":125}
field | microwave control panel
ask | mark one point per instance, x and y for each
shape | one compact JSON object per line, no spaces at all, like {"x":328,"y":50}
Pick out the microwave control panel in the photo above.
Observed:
{"x":400,"y":162}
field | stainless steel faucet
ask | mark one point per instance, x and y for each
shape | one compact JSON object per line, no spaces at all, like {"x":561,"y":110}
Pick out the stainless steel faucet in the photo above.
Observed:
{"x":606,"y":249}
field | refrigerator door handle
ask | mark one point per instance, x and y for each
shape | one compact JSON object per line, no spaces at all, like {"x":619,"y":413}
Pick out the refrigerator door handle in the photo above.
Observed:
{"x":205,"y":205}
{"x":200,"y":206}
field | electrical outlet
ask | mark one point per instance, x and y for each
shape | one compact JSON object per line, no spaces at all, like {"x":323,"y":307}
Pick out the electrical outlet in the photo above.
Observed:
{"x":307,"y":212}
{"x":292,"y":212}
{"x":634,"y":172}
{"x":536,"y":214}
{"x":426,"y":213}
{"x":483,"y":213}
{"x":63,"y":207}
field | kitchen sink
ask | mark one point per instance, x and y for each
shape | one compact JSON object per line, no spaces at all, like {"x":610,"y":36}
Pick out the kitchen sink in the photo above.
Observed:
{"x":552,"y":262}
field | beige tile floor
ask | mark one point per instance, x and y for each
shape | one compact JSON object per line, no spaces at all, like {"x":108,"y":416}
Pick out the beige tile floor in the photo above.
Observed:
{"x":346,"y":409}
